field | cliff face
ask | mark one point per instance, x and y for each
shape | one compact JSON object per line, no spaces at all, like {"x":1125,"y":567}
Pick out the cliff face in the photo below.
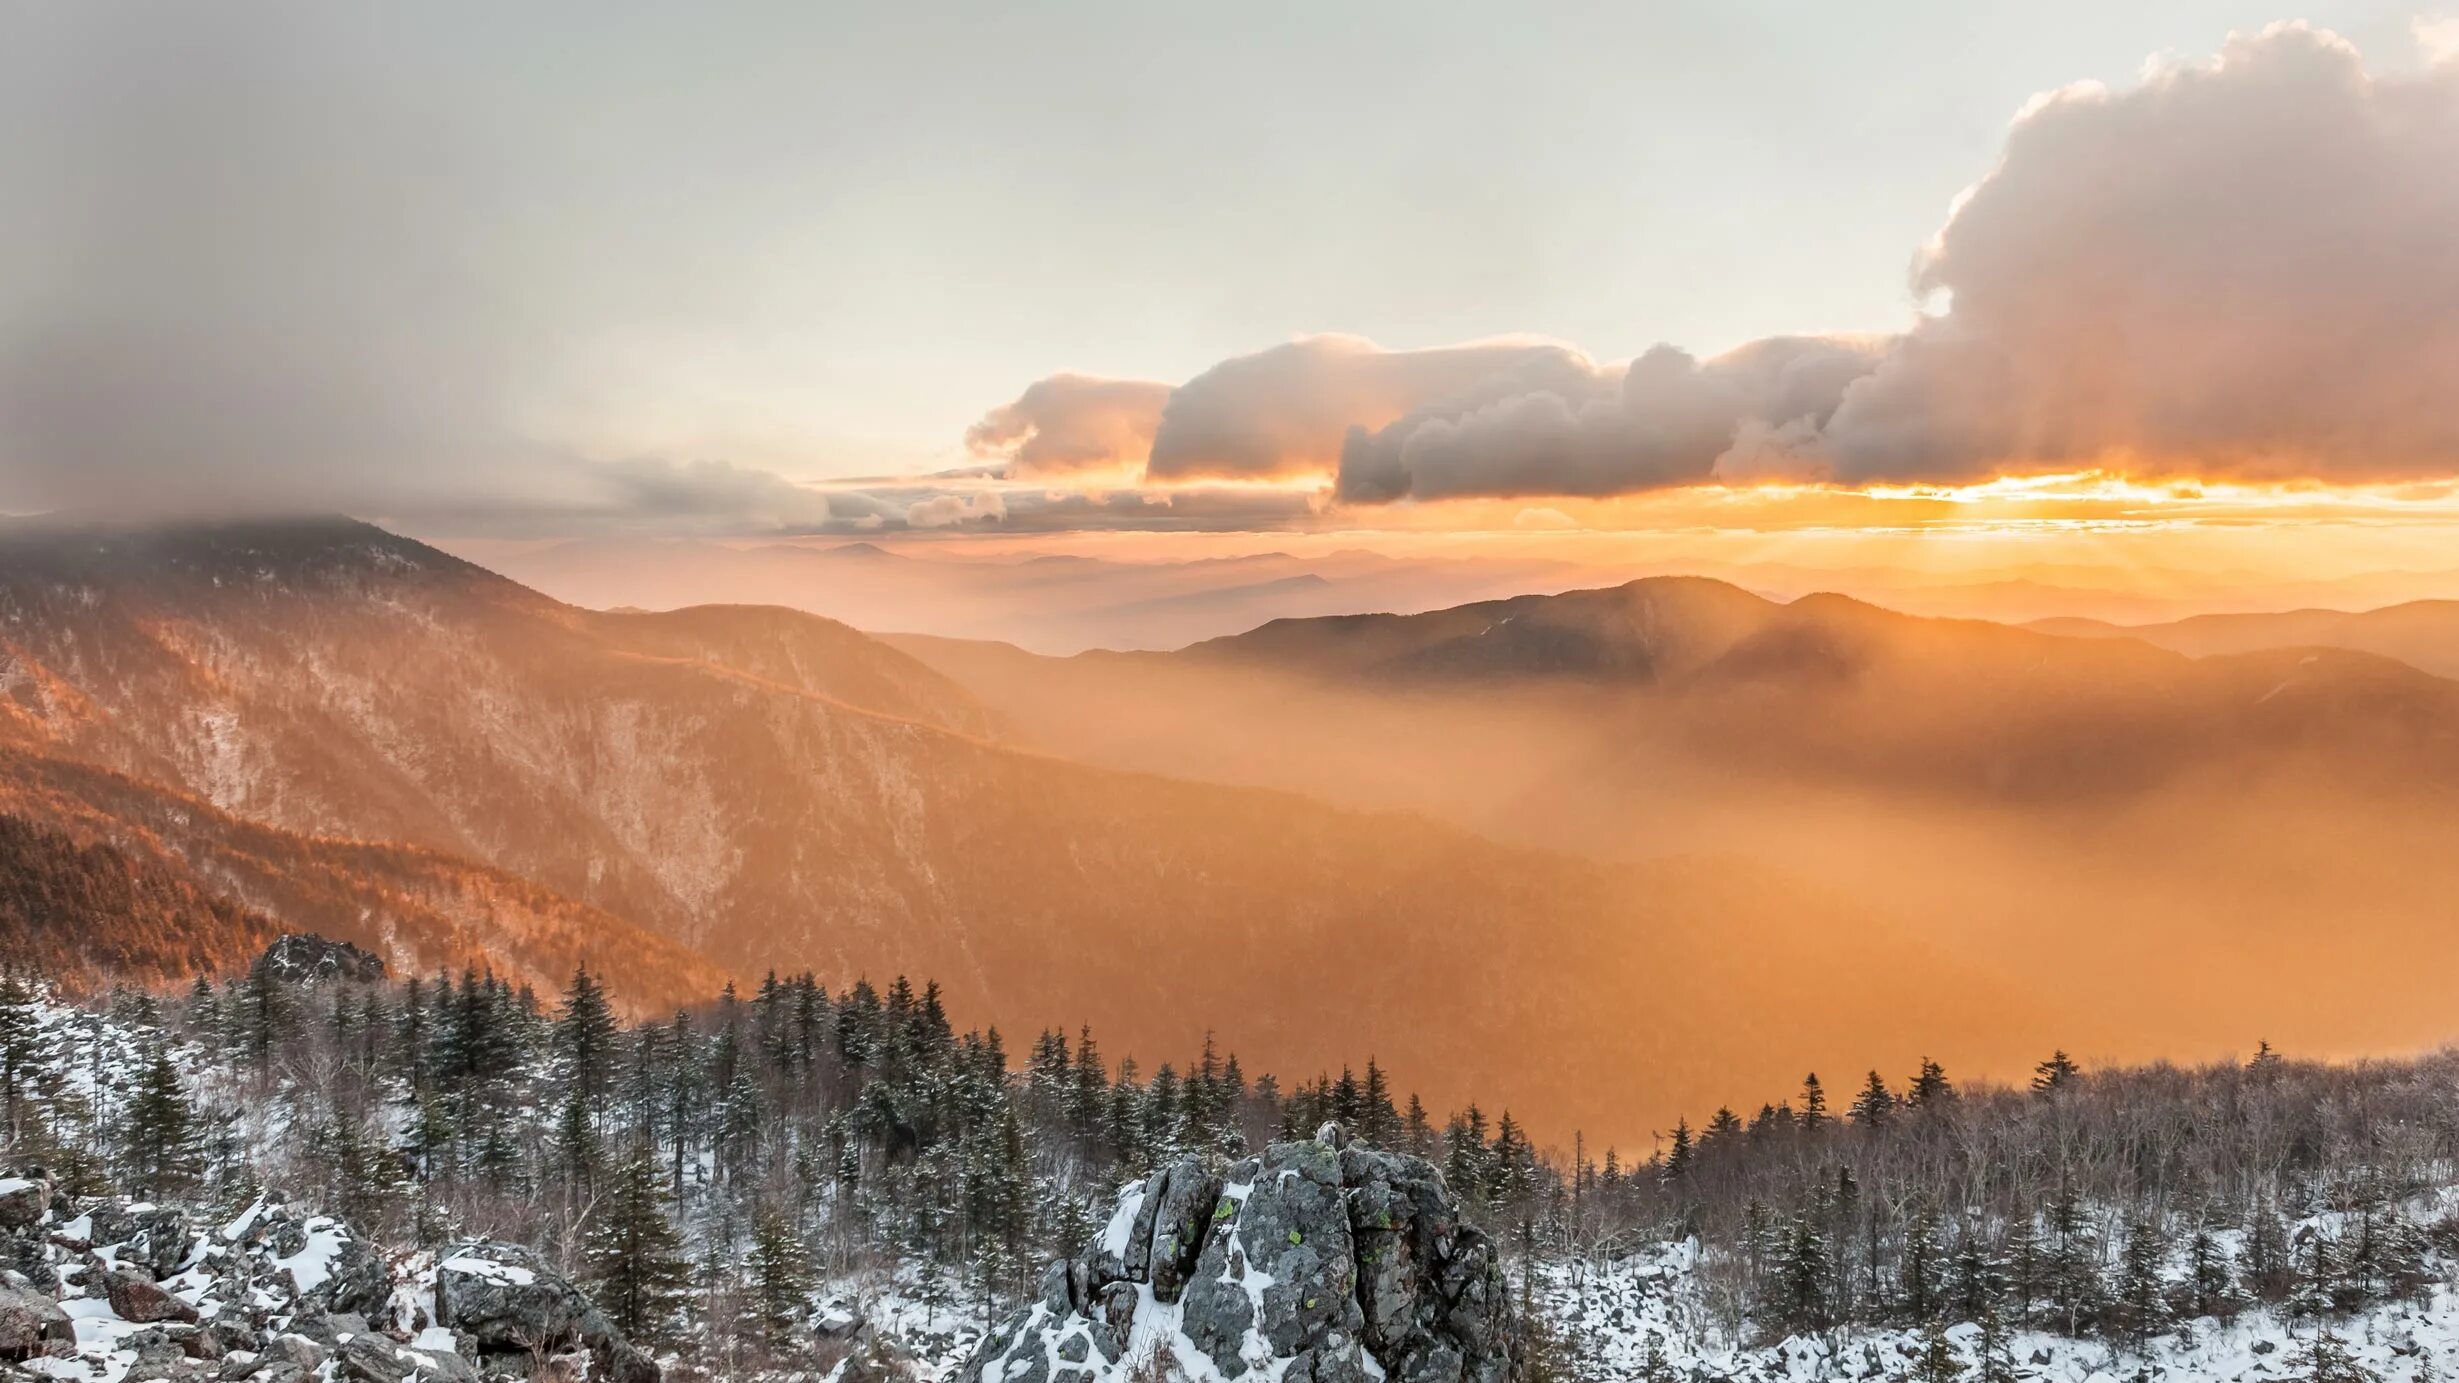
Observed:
{"x":1314,"y":1262}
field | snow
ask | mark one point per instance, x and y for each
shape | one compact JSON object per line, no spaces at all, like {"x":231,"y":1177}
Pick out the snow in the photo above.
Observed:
{"x":509,"y":1274}
{"x":1122,"y":1226}
{"x":311,"y":1267}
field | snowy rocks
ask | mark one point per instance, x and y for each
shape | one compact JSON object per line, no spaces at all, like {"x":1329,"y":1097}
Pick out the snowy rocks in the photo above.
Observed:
{"x":303,"y":958}
{"x":1430,"y":1287}
{"x":31,"y":1324}
{"x":140,"y":1299}
{"x":24,"y":1201}
{"x":509,"y":1303}
{"x":157,"y":1238}
{"x":1321,"y":1261}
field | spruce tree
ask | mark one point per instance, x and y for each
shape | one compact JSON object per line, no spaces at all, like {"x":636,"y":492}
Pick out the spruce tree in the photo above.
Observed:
{"x":633,"y":1257}
{"x":20,"y":1046}
{"x":780,"y":1277}
{"x":1874,"y":1104}
{"x":2054,"y":1075}
{"x":157,"y":1134}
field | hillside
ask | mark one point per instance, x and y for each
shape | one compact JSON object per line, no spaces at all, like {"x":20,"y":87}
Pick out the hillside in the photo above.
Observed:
{"x":768,"y":790}
{"x":204,"y":890}
{"x":2422,"y":633}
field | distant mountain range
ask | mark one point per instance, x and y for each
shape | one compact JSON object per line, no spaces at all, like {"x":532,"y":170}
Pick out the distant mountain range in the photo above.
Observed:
{"x":2421,"y":633}
{"x":341,"y":730}
{"x":1672,"y":835}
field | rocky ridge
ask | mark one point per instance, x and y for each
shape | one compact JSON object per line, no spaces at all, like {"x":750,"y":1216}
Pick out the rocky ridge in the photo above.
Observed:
{"x":1319,"y":1262}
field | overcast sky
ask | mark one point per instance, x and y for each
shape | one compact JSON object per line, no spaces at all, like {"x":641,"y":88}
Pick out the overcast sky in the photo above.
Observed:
{"x":408,"y":251}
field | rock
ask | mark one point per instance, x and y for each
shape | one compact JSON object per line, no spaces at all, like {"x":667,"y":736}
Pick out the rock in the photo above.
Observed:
{"x":326,"y":1331}
{"x":295,"y":1349}
{"x":358,"y":1281}
{"x":510,"y":1303}
{"x":1183,"y":1206}
{"x":1321,"y":1262}
{"x":1430,"y":1287}
{"x":135,"y":1298}
{"x":24,"y":1201}
{"x":304,"y":958}
{"x":156,"y":1237}
{"x":30,"y":1323}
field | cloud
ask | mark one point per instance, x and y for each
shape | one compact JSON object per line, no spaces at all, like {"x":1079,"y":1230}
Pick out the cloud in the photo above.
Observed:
{"x":2247,"y":267}
{"x":253,"y":264}
{"x":942,"y":511}
{"x":2243,"y":267}
{"x":1287,"y":410}
{"x":1668,"y":420}
{"x":1073,"y":423}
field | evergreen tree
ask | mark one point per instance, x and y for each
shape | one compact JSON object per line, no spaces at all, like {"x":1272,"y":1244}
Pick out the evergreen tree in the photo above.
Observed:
{"x":20,"y":1046}
{"x":1814,"y":1104}
{"x":2054,"y":1075}
{"x":633,"y":1256}
{"x":1874,"y":1104}
{"x":2139,"y":1294}
{"x":157,"y":1135}
{"x":780,"y":1278}
{"x":585,"y":1032}
{"x":1930,"y":1087}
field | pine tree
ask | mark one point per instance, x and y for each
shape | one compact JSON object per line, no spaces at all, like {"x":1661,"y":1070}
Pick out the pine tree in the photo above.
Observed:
{"x":1937,"y":1362}
{"x":1678,"y":1161}
{"x":633,"y":1256}
{"x":1802,"y":1276}
{"x":780,"y":1277}
{"x":1814,"y":1104}
{"x":1930,"y":1087}
{"x":2140,"y":1290}
{"x":585,"y":1033}
{"x":20,"y":1046}
{"x":1921,"y":1271}
{"x":2054,"y":1075}
{"x":157,"y":1134}
{"x":1874,"y":1104}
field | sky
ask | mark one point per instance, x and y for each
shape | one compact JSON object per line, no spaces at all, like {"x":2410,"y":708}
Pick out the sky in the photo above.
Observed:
{"x":556,"y":269}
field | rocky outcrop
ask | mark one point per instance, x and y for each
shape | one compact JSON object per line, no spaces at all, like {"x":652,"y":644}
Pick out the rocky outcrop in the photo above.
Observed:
{"x":1315,"y":1263}
{"x":509,"y":1303}
{"x":305,"y":958}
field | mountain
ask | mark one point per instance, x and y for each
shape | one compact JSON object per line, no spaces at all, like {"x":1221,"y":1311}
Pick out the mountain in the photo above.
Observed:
{"x":2422,"y":633}
{"x":307,"y":714}
{"x":172,"y":887}
{"x":2085,"y":820}
{"x":1824,"y":687}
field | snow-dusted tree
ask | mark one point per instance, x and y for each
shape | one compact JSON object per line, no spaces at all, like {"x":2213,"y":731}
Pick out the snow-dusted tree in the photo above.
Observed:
{"x":633,"y":1256}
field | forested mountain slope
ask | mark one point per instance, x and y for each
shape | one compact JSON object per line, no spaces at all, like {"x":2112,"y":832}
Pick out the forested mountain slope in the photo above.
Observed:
{"x":770,"y":790}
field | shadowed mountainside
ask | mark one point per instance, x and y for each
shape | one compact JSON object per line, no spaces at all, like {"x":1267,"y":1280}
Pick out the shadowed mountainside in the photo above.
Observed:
{"x":770,"y":789}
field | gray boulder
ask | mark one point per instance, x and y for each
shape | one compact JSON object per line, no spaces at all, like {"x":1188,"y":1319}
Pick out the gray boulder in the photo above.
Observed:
{"x":1323,"y":1261}
{"x":24,"y":1201}
{"x":31,"y":1323}
{"x":510,"y":1303}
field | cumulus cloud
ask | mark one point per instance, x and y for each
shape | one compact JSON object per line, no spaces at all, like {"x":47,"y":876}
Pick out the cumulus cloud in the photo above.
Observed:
{"x":2246,"y":266}
{"x":943,"y":511}
{"x":1668,"y":420}
{"x":1072,"y":423}
{"x":1287,"y":410}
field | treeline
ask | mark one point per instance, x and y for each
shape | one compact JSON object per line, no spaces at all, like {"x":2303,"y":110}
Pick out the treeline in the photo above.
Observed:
{"x":2122,"y":1202}
{"x":703,"y":1171}
{"x":706,"y":1170}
